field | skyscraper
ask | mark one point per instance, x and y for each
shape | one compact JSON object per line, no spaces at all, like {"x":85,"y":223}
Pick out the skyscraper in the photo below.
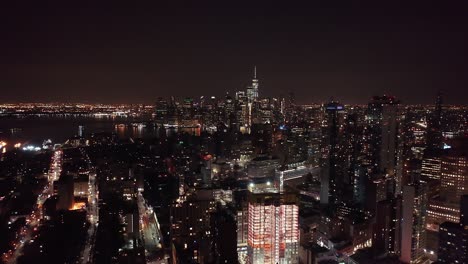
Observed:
{"x":430,"y":168}
{"x":453,"y":238}
{"x":252,"y":89}
{"x":383,"y":144}
{"x":386,"y":229}
{"x":161,"y":110}
{"x":382,"y":119}
{"x":413,"y":229}
{"x":453,"y":175}
{"x":434,"y":132}
{"x":252,"y":96}
{"x":190,"y":228}
{"x":332,"y":178}
{"x":273,"y":229}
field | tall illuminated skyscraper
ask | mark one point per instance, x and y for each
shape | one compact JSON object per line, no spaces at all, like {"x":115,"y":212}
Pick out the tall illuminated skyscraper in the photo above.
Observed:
{"x":242,"y":111}
{"x":252,"y":89}
{"x":332,"y":178}
{"x":430,"y":168}
{"x":273,"y":228}
{"x":453,"y":176}
{"x":252,"y":96}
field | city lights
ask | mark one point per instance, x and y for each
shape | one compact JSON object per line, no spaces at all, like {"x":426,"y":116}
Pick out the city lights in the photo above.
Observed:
{"x":255,"y":133}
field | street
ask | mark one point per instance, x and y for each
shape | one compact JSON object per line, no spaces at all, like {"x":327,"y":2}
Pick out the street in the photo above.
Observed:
{"x":33,"y":220}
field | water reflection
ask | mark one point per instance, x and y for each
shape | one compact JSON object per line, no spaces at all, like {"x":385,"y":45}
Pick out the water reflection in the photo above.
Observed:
{"x":36,"y":129}
{"x":22,"y":129}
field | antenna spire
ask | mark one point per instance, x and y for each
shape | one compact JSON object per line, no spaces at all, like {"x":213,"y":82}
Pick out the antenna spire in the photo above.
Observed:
{"x":255,"y":72}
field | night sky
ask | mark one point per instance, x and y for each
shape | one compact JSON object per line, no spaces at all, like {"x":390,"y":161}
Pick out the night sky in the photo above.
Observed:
{"x":133,"y":54}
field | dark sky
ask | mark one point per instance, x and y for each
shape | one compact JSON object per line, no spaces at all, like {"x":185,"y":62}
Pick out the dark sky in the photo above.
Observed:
{"x":122,"y":53}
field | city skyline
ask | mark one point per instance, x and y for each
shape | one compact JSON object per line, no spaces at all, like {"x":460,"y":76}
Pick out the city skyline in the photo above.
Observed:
{"x":115,"y":54}
{"x":206,"y":133}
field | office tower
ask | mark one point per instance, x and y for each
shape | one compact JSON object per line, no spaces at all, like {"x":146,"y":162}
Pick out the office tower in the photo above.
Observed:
{"x":453,"y":238}
{"x":434,"y":129}
{"x":187,"y":112}
{"x":440,"y":211}
{"x":413,"y":232}
{"x":445,"y":207}
{"x":252,"y":89}
{"x":360,"y":184}
{"x":161,"y":110}
{"x":166,"y":112}
{"x":273,"y":229}
{"x":262,"y":138}
{"x":332,"y":173}
{"x":454,"y":174}
{"x":382,"y":145}
{"x":262,"y":112}
{"x":230,"y":116}
{"x":430,"y":168}
{"x":242,"y":111}
{"x":376,"y":191}
{"x":252,"y":96}
{"x":386,"y":230}
{"x":382,"y":123}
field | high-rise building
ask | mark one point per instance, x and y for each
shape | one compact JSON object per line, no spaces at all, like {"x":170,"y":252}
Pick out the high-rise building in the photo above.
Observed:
{"x":453,"y":243}
{"x":386,"y":230}
{"x":242,"y":111}
{"x":453,"y":238}
{"x":230,"y":115}
{"x":332,"y":178}
{"x":383,"y":143}
{"x":161,"y":110}
{"x":190,"y":228}
{"x":430,"y":168}
{"x":413,"y":226}
{"x":440,"y":211}
{"x":252,"y":96}
{"x":382,"y":120}
{"x":454,"y":175}
{"x":434,"y":129}
{"x":273,"y":228}
{"x":252,"y":89}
